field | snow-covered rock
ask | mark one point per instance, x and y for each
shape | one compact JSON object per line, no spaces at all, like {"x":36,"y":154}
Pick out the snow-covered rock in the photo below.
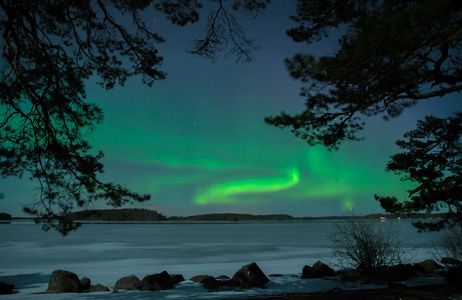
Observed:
{"x":64,"y":282}
{"x":250,"y":276}
{"x":130,"y":282}
{"x":157,"y":282}
{"x":318,"y":270}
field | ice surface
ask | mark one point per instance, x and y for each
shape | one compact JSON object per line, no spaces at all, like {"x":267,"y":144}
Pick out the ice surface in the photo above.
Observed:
{"x":107,"y":252}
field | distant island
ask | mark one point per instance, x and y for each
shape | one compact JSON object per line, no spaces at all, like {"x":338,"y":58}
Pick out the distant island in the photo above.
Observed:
{"x":118,"y":215}
{"x":146,"y":215}
{"x":234,"y":217}
{"x":4,"y":217}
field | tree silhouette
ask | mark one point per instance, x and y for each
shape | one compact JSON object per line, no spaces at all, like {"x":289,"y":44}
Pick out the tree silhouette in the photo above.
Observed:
{"x":433,"y":160}
{"x":391,"y":55}
{"x":223,"y":28}
{"x":49,"y":49}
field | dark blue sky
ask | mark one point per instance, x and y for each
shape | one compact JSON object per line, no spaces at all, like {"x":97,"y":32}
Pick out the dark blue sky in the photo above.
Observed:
{"x":198,"y":143}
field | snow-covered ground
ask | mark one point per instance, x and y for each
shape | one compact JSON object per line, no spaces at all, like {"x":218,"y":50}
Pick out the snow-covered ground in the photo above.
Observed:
{"x":107,"y":252}
{"x":289,"y":283}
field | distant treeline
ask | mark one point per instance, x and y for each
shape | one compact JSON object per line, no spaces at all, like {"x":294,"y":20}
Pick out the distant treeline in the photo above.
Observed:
{"x":233,"y":217}
{"x":377,"y":217}
{"x":5,"y":217}
{"x":146,"y":215}
{"x":127,"y":214}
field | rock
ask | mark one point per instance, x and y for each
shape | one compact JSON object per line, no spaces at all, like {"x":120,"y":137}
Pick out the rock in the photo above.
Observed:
{"x":429,"y":265}
{"x":404,"y":272}
{"x":208,"y":281}
{"x":176,"y":278}
{"x":230,"y":283}
{"x":200,"y":278}
{"x":318,"y":270}
{"x":6,"y":288}
{"x":306,"y":272}
{"x":99,"y":288}
{"x":250,"y":276}
{"x":211,"y":283}
{"x":358,"y":276}
{"x":85,"y":282}
{"x":451,"y":261}
{"x":352,"y":275}
{"x":130,"y":282}
{"x":63,"y":282}
{"x":157,"y":282}
{"x":275,"y":275}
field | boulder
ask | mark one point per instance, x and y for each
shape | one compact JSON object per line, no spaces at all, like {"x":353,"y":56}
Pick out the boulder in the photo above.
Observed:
{"x":211,"y":283}
{"x":85,"y":282}
{"x":230,"y":283}
{"x":451,"y":261}
{"x":403,"y":272}
{"x":6,"y":288}
{"x":318,"y":270}
{"x":223,"y":277}
{"x":429,"y":265}
{"x":157,"y":282}
{"x":130,"y":282}
{"x":64,"y":282}
{"x":358,"y":276}
{"x":250,"y":276}
{"x":176,"y":278}
{"x":352,"y":275}
{"x":99,"y":288}
{"x":200,"y":278}
{"x":208,"y":281}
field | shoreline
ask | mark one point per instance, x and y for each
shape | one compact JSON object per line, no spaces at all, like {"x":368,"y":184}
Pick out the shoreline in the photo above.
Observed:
{"x":100,"y":253}
{"x":197,"y":222}
{"x":432,"y":286}
{"x":429,"y":291}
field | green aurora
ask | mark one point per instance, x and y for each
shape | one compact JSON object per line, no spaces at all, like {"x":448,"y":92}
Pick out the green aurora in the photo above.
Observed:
{"x":220,"y":193}
{"x":197,"y":142}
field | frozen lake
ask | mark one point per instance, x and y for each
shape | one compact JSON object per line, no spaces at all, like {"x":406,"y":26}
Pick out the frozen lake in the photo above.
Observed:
{"x":107,"y":252}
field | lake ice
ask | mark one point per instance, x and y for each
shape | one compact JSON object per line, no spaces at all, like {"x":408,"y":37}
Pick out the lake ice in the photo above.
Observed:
{"x":107,"y":252}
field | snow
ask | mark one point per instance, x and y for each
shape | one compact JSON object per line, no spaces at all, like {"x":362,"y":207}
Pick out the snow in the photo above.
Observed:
{"x":106,"y":253}
{"x":286,"y":284}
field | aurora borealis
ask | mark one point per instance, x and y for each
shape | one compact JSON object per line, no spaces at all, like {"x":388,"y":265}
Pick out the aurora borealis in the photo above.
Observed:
{"x":221,"y":193}
{"x":197,"y":142}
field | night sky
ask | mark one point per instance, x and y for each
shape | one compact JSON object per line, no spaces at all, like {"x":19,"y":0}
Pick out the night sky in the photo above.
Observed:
{"x":197,"y":141}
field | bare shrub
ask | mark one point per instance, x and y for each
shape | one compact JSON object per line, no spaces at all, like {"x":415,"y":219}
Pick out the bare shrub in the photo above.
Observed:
{"x":449,"y":249}
{"x":366,"y":245}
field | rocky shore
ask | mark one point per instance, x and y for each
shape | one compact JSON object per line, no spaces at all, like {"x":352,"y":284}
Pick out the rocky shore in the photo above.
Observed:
{"x":251,"y":276}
